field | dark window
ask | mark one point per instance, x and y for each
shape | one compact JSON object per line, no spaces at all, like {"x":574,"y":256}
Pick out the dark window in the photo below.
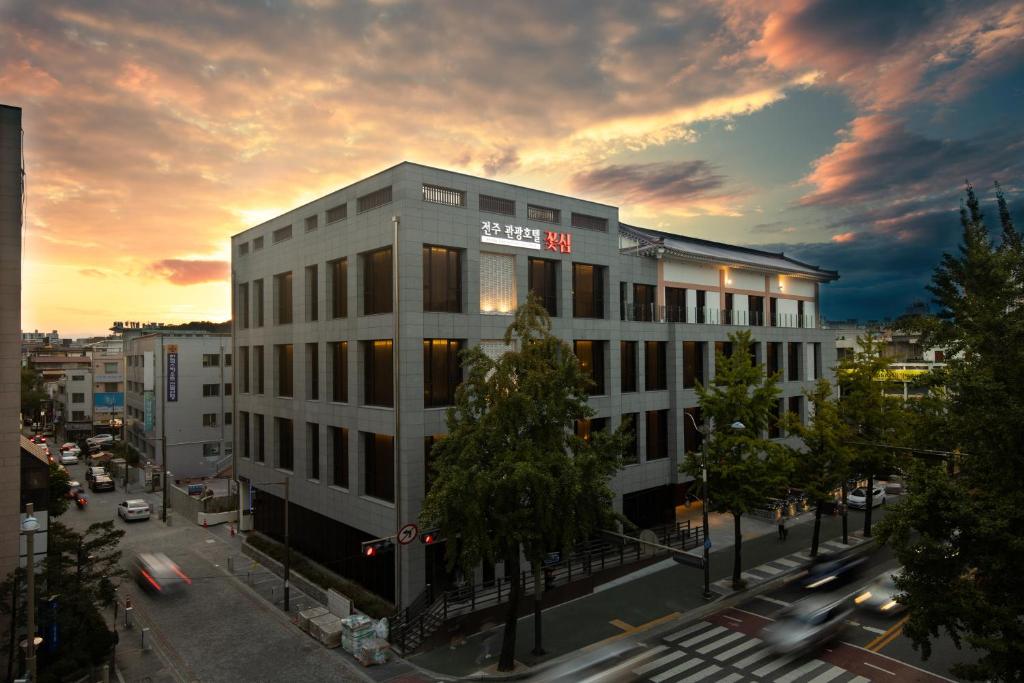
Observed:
{"x":543,"y":214}
{"x":773,"y":351}
{"x":312,"y":222}
{"x":379,"y":467}
{"x":795,"y":405}
{"x":337,"y":213}
{"x":587,"y":427}
{"x":441,"y":372}
{"x":338,"y":270}
{"x":258,"y":363}
{"x":753,"y":351}
{"x":285,"y":372}
{"x":285,"y":443}
{"x":243,"y":306}
{"x":435,"y":194}
{"x":729,"y":318}
{"x":283,"y":293}
{"x":377,"y":281}
{"x":505,"y":207}
{"x":631,"y":456}
{"x":627,"y":351}
{"x":257,"y":303}
{"x":657,"y":434}
{"x":243,"y":249}
{"x":623,"y":299}
{"x":724,"y":349}
{"x":675,"y":305}
{"x":227,"y":418}
{"x":587,"y":291}
{"x":582,"y":220}
{"x":313,"y":371}
{"x":378,"y":369}
{"x":701,"y":304}
{"x":800,"y":314}
{"x":282,"y":234}
{"x":227,"y":388}
{"x":591,"y":357}
{"x":543,"y":283}
{"x":313,"y":449}
{"x":211,"y":390}
{"x":773,"y":313}
{"x":339,"y":372}
{"x":693,"y":363}
{"x":243,"y":367}
{"x":793,"y":362}
{"x":756,"y":310}
{"x":257,"y":244}
{"x":312,"y":293}
{"x":243,"y":431}
{"x":442,"y":280}
{"x":692,"y":438}
{"x":260,"y":438}
{"x":655,"y":375}
{"x":339,"y":456}
{"x":817,"y":359}
{"x":643,"y":302}
{"x":374,"y":199}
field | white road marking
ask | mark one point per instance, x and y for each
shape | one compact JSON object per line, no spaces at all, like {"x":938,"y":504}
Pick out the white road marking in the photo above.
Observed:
{"x":710,"y":647}
{"x":891,"y":673}
{"x":633,"y":661}
{"x":665,"y":675}
{"x":651,"y":666}
{"x":798,"y":672}
{"x":774,"y":601}
{"x":742,"y":647}
{"x":687,"y":631}
{"x":770,"y":569}
{"x":726,"y":616}
{"x":731,"y":678}
{"x":703,"y":636}
{"x":859,"y":679}
{"x":702,"y":674}
{"x":777,"y":664}
{"x":831,"y":673}
{"x":877,"y":631}
{"x":786,"y":562}
{"x":747,"y":661}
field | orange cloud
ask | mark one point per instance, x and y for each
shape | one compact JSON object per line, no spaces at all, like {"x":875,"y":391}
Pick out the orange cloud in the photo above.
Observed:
{"x":183,"y":272}
{"x":844,"y":237}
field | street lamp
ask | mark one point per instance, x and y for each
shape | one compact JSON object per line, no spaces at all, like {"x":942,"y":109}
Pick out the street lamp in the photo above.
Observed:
{"x":29,"y":527}
{"x":287,"y":544}
{"x":705,"y":433}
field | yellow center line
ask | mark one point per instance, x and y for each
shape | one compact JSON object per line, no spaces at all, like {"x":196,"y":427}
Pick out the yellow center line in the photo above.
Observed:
{"x":628,"y":630}
{"x":887,"y":637}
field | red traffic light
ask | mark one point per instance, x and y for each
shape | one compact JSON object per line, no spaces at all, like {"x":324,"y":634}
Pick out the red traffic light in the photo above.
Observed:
{"x":376,"y":546}
{"x":370,"y":551}
{"x":430,"y":537}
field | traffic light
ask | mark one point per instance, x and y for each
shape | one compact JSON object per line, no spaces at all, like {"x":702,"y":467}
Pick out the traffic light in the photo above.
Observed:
{"x":376,"y":546}
{"x":430,"y":536}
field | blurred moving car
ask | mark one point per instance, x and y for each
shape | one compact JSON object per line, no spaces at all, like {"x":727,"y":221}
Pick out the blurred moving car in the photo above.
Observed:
{"x":880,"y":595}
{"x":858,"y":498}
{"x":100,"y":439}
{"x":157,"y":573}
{"x":136,"y":508}
{"x":828,"y":571}
{"x":102,"y":482}
{"x":807,"y":624}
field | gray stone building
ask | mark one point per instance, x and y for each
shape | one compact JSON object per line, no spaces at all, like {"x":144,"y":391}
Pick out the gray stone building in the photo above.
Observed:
{"x":315,"y":320}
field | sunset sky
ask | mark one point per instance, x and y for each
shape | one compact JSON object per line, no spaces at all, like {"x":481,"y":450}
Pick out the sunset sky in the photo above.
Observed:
{"x":840,"y":132}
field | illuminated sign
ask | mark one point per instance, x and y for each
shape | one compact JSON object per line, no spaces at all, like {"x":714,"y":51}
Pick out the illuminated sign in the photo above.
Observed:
{"x":510,"y":235}
{"x":172,"y":376}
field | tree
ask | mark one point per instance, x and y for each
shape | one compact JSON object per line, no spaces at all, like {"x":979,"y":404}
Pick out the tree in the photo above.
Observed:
{"x":59,"y":487}
{"x":744,"y":469}
{"x":511,"y":478}
{"x":958,"y":532}
{"x":823,"y":463}
{"x":32,"y":393}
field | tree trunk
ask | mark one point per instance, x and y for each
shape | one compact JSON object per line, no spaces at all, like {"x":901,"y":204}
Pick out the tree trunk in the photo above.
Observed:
{"x":506,"y":662}
{"x":737,"y":561}
{"x":846,"y":530}
{"x":868,"y":506}
{"x":817,"y":528}
{"x":538,"y":594}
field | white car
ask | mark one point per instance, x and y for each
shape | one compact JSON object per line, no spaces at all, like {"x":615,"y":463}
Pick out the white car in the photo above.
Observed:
{"x":69,"y":457}
{"x":135,"y":508}
{"x":858,"y":498}
{"x":100,"y":440}
{"x":881,"y":595}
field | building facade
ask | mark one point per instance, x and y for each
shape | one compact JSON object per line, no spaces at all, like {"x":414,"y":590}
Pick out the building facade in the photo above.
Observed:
{"x":179,"y":388}
{"x":74,"y":404}
{"x":108,"y":384}
{"x":315,"y":321}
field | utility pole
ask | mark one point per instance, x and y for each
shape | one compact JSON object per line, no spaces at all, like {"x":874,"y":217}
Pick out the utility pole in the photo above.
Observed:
{"x":163,"y":429}
{"x":29,"y":526}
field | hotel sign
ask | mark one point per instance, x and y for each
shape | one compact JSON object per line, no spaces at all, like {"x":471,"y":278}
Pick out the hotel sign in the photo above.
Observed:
{"x":493,"y":232}
{"x":172,"y":376}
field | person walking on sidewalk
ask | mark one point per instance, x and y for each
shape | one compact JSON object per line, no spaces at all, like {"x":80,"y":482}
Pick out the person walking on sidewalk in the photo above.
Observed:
{"x":783,"y":531}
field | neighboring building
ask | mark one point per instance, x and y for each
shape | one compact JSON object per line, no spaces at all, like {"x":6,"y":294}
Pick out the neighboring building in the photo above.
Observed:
{"x":52,"y":363}
{"x":35,"y":489}
{"x":31,"y":340}
{"x":74,"y":405}
{"x":911,"y":359}
{"x":183,"y":378}
{"x":108,"y":384}
{"x":314,"y":334}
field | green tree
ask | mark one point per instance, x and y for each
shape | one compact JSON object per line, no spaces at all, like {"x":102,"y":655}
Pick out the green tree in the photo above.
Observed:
{"x":744,"y":469}
{"x":59,"y":487}
{"x":822,"y":464}
{"x":32,"y":393}
{"x":511,"y":478}
{"x":958,"y":534}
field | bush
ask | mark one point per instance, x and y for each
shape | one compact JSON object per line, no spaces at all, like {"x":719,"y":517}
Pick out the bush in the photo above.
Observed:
{"x":362,"y":599}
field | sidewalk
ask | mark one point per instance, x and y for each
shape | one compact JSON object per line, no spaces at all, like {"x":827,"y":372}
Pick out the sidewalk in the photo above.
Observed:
{"x":648,"y":598}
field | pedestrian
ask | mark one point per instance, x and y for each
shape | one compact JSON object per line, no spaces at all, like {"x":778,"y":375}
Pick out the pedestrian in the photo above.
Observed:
{"x":783,"y":531}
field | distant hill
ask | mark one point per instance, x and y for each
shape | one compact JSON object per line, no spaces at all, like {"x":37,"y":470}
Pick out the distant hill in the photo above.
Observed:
{"x":202,"y":326}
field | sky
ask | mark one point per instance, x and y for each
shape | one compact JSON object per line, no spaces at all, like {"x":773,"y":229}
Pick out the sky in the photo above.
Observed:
{"x":840,"y":133}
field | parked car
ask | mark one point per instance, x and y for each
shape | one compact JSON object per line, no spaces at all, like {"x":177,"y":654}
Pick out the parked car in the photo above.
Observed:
{"x":101,"y":439}
{"x":91,"y":472}
{"x":880,"y":595}
{"x":858,"y":498}
{"x":807,"y":624}
{"x":69,"y":458}
{"x":102,"y":482}
{"x":69,"y":445}
{"x":157,"y":573}
{"x":827,"y":571}
{"x":136,"y":508}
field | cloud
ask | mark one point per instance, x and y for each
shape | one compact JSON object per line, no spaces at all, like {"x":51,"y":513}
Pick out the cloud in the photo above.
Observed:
{"x":91,"y":272}
{"x":183,"y":272}
{"x":500,"y":162}
{"x":677,"y":186}
{"x":772,"y":228}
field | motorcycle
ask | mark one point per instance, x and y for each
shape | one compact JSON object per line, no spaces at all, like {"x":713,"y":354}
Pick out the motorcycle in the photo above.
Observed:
{"x":80,"y":500}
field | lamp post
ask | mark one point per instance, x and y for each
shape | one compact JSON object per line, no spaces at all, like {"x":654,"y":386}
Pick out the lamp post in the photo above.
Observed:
{"x":29,"y":527}
{"x":287,"y":543}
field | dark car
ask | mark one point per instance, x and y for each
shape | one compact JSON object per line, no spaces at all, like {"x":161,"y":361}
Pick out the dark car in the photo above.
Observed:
{"x":828,"y":571}
{"x":101,"y":482}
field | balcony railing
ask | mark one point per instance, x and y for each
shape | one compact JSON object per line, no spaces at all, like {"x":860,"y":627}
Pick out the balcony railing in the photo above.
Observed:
{"x":710,"y":316}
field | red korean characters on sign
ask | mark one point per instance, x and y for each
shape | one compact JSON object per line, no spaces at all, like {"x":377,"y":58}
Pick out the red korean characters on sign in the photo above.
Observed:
{"x":558,"y":241}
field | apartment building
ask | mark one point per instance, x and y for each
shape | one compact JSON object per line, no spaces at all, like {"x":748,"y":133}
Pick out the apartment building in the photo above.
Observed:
{"x":179,"y":388}
{"x":74,"y":405}
{"x":108,"y":383}
{"x":315,"y":321}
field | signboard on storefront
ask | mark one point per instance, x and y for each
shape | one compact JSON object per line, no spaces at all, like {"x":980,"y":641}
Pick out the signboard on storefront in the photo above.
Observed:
{"x":148,"y":410}
{"x":172,"y":376}
{"x":493,"y":232}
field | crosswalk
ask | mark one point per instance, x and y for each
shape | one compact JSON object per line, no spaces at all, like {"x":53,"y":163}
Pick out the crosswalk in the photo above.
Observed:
{"x":713,"y":653}
{"x":769,"y":570}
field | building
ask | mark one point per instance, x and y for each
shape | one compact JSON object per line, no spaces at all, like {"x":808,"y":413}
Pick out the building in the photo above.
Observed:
{"x":315,"y":336}
{"x":73,"y":409}
{"x":911,"y":360}
{"x":108,"y":384}
{"x":179,"y":388}
{"x":33,"y":339}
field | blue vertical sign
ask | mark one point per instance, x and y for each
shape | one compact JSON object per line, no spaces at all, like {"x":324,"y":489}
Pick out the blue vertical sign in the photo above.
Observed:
{"x":147,"y":417}
{"x":172,"y":376}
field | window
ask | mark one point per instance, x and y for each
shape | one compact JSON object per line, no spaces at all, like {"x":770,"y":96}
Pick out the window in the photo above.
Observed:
{"x":111,"y":368}
{"x":591,"y":357}
{"x":312,"y":222}
{"x":243,"y":249}
{"x":505,"y":207}
{"x":377,"y":281}
{"x":338,"y":270}
{"x":211,"y":390}
{"x":258,"y":380}
{"x":243,"y":431}
{"x":643,"y":302}
{"x":729,"y":318}
{"x":227,"y":360}
{"x":693,"y":363}
{"x":543,"y":214}
{"x":435,"y":194}
{"x":111,"y":387}
{"x":77,"y":378}
{"x":285,"y":443}
{"x":257,"y":303}
{"x":313,"y":372}
{"x":283,"y":295}
{"x":657,"y":434}
{"x":755,"y":312}
{"x":442,"y":280}
{"x":211,"y":360}
{"x":627,"y":351}
{"x":817,"y":359}
{"x":283,"y":359}
{"x":655,"y":375}
{"x":582,"y":220}
{"x":312,"y":293}
{"x":543,"y":283}
{"x":378,"y":370}
{"x":497,"y":283}
{"x":209,"y":419}
{"x":773,"y":351}
{"x":78,"y":415}
{"x":587,"y":427}
{"x":282,"y":234}
{"x":243,"y":367}
{"x":337,"y":213}
{"x":702,"y":297}
{"x":313,"y":450}
{"x":339,"y":456}
{"x":257,"y":244}
{"x":773,"y":313}
{"x":793,"y":362}
{"x":243,"y":305}
{"x":692,"y":438}
{"x":631,"y":456}
{"x":78,"y":398}
{"x":723,"y":349}
{"x":800,"y":314}
{"x":675,"y":305}
{"x":587,"y":291}
{"x":379,"y":467}
{"x":260,"y":437}
{"x":339,"y":371}
{"x":227,"y":418}
{"x":796,"y":407}
{"x":442,"y":373}
{"x":373,"y":200}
